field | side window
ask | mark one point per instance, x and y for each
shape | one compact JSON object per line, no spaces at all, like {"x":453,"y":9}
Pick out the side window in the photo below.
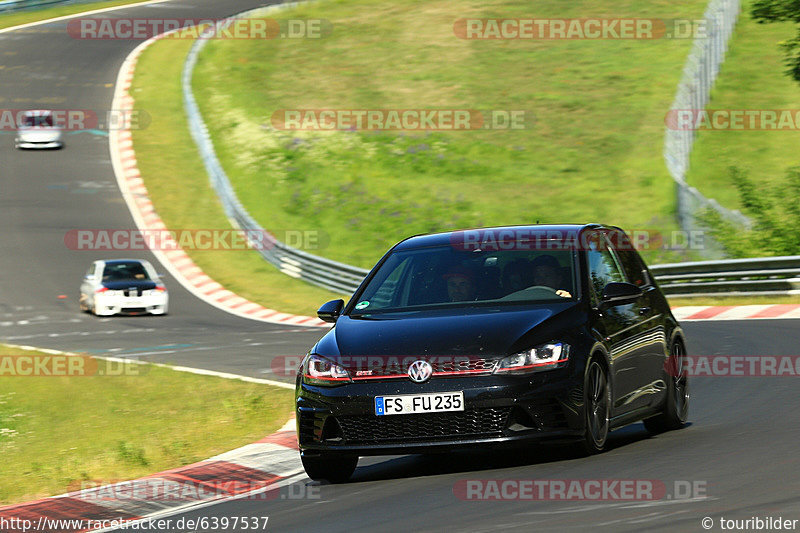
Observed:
{"x":629,"y":259}
{"x":634,"y":267}
{"x":603,"y":268}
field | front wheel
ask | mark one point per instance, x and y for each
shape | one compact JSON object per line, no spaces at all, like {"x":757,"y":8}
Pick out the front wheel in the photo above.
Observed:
{"x":676,"y":406}
{"x":597,"y":408}
{"x":336,"y":469}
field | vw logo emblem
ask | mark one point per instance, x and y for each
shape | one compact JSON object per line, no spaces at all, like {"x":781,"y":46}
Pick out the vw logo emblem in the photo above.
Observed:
{"x":420,"y":371}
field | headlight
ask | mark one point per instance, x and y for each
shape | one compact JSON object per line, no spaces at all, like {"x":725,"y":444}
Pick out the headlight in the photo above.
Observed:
{"x":319,"y":371}
{"x":543,"y":357}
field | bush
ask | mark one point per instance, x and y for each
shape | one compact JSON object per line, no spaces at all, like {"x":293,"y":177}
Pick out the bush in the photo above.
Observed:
{"x":775,"y":211}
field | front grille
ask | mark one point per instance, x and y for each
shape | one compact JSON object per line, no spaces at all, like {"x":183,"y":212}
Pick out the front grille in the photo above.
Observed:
{"x":441,"y":364}
{"x":372,"y":429}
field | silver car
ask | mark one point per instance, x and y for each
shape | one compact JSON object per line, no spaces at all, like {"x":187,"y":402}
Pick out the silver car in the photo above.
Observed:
{"x":123,"y":286}
{"x":37,"y":129}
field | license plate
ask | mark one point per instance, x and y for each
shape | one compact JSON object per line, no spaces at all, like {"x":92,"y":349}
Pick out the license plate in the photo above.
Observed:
{"x":407,"y":404}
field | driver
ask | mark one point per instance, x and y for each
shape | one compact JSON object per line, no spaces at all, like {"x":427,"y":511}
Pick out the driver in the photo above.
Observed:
{"x":547,"y":273}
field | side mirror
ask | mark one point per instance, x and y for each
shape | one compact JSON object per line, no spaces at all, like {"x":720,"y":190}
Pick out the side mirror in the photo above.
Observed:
{"x":618,"y":293}
{"x":90,"y":277}
{"x":330,"y":311}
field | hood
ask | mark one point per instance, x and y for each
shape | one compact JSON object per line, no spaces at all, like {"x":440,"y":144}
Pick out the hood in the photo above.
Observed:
{"x":40,"y":135}
{"x":478,"y":332}
{"x":142,"y":285}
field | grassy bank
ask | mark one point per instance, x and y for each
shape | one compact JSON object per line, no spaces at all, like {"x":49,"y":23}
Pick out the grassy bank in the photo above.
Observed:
{"x":56,"y":432}
{"x":178,"y":184}
{"x":593,"y":152}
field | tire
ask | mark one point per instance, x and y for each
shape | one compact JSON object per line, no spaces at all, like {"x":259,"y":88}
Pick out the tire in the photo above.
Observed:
{"x":676,"y":406}
{"x":335,"y":469}
{"x":596,"y":408}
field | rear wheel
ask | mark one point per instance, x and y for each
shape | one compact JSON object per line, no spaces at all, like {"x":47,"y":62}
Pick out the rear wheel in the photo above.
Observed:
{"x":336,"y":469}
{"x":597,"y":407}
{"x":676,"y":406}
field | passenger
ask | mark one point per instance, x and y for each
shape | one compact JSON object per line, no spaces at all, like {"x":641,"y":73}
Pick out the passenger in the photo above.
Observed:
{"x":517,"y":275}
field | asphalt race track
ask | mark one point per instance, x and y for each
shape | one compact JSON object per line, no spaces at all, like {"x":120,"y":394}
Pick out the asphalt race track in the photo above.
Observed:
{"x":43,"y":194}
{"x":741,"y":448}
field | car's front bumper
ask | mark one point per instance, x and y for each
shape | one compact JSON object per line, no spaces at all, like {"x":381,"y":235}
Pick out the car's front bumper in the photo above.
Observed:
{"x":155,"y":304}
{"x":500,"y":410}
{"x":50,"y":145}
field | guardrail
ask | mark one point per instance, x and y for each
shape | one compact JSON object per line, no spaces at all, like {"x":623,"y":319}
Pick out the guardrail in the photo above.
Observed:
{"x":326,"y":273}
{"x":742,"y":277}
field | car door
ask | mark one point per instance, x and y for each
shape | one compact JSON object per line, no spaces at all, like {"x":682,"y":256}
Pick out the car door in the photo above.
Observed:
{"x":623,"y":330}
{"x":649,"y":308}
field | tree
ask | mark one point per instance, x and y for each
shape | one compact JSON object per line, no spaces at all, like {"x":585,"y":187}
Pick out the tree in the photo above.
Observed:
{"x":765,"y":11}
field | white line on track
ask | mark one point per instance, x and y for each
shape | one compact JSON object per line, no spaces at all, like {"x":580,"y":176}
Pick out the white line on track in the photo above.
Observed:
{"x":198,"y":371}
{"x":81,"y":14}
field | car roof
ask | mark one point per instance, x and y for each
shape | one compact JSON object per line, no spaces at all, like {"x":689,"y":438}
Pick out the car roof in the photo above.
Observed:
{"x":439,"y":239}
{"x":120,"y":261}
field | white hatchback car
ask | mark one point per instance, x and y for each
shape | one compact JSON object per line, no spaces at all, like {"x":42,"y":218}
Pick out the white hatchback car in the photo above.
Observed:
{"x":38,"y":130}
{"x":129,"y":286}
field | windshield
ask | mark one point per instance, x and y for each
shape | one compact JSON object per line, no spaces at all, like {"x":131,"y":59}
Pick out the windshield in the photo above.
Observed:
{"x":38,"y":121}
{"x":125,"y":272}
{"x":447,"y":277}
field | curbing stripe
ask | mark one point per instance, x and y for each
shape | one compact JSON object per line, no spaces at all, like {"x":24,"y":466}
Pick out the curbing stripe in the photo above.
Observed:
{"x":185,"y":271}
{"x":253,"y":471}
{"x":740,"y":312}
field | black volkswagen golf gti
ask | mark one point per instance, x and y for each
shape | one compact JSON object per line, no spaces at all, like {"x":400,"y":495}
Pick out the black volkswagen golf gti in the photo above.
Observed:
{"x":492,"y":337}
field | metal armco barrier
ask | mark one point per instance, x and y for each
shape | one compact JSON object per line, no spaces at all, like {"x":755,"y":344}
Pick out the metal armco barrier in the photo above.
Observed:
{"x":745,"y":277}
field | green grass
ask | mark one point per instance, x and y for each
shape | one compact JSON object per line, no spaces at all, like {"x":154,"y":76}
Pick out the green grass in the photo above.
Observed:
{"x":594,"y":152}
{"x":183,"y":197}
{"x":23,"y":17}
{"x":56,"y":432}
{"x":752,"y":77}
